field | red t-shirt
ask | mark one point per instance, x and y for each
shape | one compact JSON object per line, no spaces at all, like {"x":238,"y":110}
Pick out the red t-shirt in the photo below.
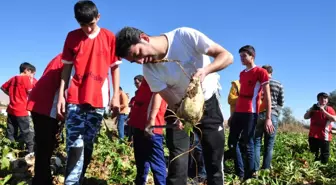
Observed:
{"x":18,"y":88}
{"x":140,"y":109}
{"x":251,"y":82}
{"x":320,"y":125}
{"x":43,"y":98}
{"x":34,"y":82}
{"x":92,"y":56}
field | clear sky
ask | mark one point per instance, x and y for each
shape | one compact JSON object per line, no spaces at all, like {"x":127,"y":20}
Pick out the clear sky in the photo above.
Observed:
{"x":298,"y":38}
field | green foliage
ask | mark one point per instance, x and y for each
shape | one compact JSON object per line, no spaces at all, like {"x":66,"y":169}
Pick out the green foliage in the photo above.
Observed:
{"x":113,"y":163}
{"x":292,"y":164}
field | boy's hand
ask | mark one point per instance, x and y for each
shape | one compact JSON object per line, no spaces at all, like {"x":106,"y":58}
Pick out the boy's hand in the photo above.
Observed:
{"x":115,"y":104}
{"x":269,"y":126}
{"x":229,"y":121}
{"x":149,"y":129}
{"x":61,"y":107}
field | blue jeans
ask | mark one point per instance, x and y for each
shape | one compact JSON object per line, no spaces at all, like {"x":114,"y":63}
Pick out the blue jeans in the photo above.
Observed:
{"x":243,"y":125}
{"x":82,"y":125}
{"x":268,"y":141}
{"x":121,"y":122}
{"x":148,"y":153}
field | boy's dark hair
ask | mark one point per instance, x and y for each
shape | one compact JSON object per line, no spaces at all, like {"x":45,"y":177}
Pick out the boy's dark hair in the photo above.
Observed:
{"x":120,"y":88}
{"x":85,"y":11}
{"x":268,"y":68}
{"x":125,"y":38}
{"x":27,"y":66}
{"x":322,"y":94}
{"x":248,"y":49}
{"x":138,"y":77}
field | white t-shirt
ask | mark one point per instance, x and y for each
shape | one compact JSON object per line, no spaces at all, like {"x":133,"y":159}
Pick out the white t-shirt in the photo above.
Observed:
{"x":189,"y":46}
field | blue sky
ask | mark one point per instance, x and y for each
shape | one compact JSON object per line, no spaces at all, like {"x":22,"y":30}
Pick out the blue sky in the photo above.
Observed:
{"x":298,"y":38}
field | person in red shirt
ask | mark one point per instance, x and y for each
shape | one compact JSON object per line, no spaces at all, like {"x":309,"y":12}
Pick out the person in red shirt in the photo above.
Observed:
{"x":252,"y":80}
{"x":88,"y":54}
{"x":129,"y":129}
{"x":321,"y":117}
{"x":42,"y":103}
{"x":18,"y":88}
{"x":148,"y":110}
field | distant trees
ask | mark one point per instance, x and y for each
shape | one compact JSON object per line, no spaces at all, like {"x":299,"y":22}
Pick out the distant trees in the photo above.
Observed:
{"x":332,"y":99}
{"x":287,"y":116}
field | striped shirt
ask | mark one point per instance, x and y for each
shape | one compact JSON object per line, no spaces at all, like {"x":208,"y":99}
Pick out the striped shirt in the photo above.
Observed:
{"x":277,"y":96}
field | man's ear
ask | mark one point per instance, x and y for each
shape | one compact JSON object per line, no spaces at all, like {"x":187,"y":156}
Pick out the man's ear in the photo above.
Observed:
{"x":144,"y":37}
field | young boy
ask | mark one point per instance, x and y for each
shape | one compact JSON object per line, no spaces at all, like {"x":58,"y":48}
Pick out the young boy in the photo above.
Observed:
{"x":321,"y":116}
{"x":148,"y":110}
{"x":277,"y":99}
{"x":137,"y":82}
{"x":18,"y":88}
{"x":123,"y":114}
{"x":252,"y":80}
{"x":194,"y":50}
{"x":88,"y":54}
{"x":42,"y":104}
{"x":232,"y":101}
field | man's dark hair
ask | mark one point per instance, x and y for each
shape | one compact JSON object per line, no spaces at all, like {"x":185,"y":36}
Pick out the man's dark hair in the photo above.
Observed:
{"x":120,"y":88}
{"x":27,"y":66}
{"x":268,"y":68}
{"x":85,"y":11}
{"x":138,"y":77}
{"x":125,"y":38}
{"x":248,"y":49}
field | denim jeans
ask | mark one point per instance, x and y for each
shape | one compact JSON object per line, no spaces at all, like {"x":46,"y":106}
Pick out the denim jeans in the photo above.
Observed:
{"x":121,"y":123}
{"x":82,"y":126}
{"x":242,"y":129}
{"x":268,"y":141}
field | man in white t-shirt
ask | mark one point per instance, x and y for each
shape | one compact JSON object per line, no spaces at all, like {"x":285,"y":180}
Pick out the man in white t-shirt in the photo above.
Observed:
{"x":192,"y":48}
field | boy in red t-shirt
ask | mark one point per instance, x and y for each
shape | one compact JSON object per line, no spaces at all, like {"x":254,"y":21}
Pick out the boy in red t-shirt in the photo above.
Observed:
{"x":129,"y":129}
{"x":18,"y":88}
{"x":88,"y":54}
{"x":148,"y":110}
{"x":252,"y":80}
{"x":42,"y":104}
{"x":321,"y":117}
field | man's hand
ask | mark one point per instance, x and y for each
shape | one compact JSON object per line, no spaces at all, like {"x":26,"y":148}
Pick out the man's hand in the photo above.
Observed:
{"x":269,"y":126}
{"x":201,"y":73}
{"x":179,"y":125}
{"x":115,"y":104}
{"x":61,"y":107}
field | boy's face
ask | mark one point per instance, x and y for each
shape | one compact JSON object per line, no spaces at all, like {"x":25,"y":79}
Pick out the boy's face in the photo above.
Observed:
{"x":29,"y":73}
{"x":32,"y":74}
{"x":323,"y":101}
{"x":246,"y":58}
{"x":142,"y":52}
{"x":89,"y":28}
{"x":137,"y":83}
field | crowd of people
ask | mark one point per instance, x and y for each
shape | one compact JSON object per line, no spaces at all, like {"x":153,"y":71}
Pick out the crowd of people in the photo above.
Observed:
{"x":74,"y":90}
